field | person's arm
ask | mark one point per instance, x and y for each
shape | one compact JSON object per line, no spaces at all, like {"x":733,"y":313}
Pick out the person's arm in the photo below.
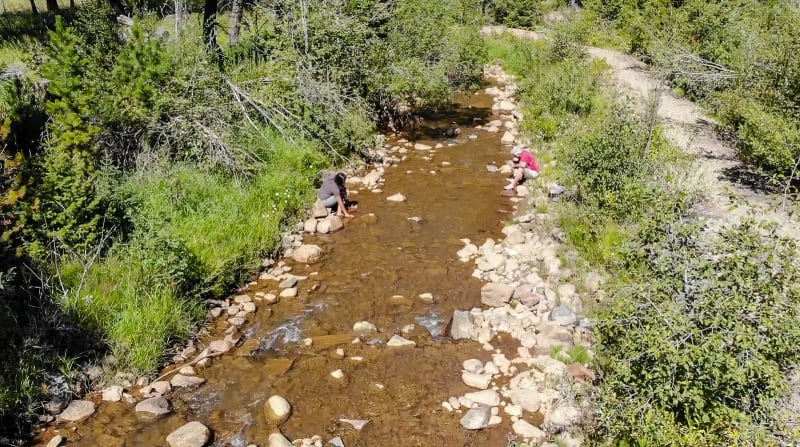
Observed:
{"x":342,"y":208}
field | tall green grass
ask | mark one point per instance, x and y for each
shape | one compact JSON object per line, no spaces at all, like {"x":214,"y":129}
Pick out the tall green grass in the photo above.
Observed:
{"x":196,"y":234}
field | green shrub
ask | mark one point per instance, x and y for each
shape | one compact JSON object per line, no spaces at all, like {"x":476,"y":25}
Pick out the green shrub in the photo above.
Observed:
{"x":694,"y":347}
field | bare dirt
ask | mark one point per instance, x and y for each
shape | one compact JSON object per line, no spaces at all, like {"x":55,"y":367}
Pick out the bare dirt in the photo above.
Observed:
{"x":731,"y":190}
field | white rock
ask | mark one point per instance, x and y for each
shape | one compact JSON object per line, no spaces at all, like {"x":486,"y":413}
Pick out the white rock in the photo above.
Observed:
{"x":181,"y":381}
{"x":528,"y":431}
{"x":338,"y":374}
{"x":155,"y":406}
{"x":277,"y":409}
{"x":562,"y":417}
{"x":291,"y":292}
{"x":528,"y":399}
{"x":472,"y":365}
{"x":278,"y":440}
{"x":422,"y":147}
{"x":513,"y":410}
{"x":358,"y":424}
{"x":398,"y":341}
{"x":453,"y":401}
{"x":307,"y":254}
{"x":364,"y":327}
{"x":447,"y":406}
{"x":491,"y":368}
{"x":396,"y":198}
{"x":113,"y":393}
{"x":187,"y":371}
{"x":495,"y":420}
{"x":56,"y":441}
{"x":480,"y":381}
{"x":508,"y":138}
{"x":193,"y":434}
{"x":485,"y":397}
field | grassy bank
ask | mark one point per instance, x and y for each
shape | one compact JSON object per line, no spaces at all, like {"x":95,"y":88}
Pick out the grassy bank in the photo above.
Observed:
{"x":692,"y":327}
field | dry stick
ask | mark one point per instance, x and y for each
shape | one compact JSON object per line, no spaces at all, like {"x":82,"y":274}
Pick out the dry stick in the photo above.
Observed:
{"x":192,"y":363}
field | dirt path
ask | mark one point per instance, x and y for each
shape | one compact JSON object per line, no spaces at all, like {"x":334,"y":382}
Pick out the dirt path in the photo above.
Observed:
{"x":731,"y":190}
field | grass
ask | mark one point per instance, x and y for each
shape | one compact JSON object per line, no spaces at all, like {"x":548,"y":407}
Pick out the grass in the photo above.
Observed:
{"x":197,"y":233}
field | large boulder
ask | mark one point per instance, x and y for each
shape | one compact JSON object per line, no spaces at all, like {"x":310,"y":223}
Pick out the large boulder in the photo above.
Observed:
{"x":528,"y":399}
{"x":496,"y":294}
{"x":310,"y":225}
{"x":193,"y":434}
{"x":77,"y":410}
{"x":307,"y":254}
{"x":330,"y":224}
{"x":528,"y":430}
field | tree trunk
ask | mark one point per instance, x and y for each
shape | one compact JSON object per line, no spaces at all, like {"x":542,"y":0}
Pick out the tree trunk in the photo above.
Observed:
{"x":210,"y":29}
{"x":236,"y":18}
{"x":52,"y":5}
{"x":71,"y":4}
{"x":33,"y":7}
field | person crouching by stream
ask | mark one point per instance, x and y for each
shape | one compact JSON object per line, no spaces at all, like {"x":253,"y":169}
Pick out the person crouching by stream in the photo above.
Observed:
{"x":333,"y":194}
{"x":525,"y":166}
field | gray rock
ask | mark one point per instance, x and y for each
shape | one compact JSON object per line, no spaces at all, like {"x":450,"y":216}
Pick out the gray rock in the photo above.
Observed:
{"x":529,"y":400}
{"x":307,"y":254}
{"x":461,"y":327}
{"x":365,"y":327}
{"x":291,"y":292}
{"x":181,"y":381}
{"x":77,"y":410}
{"x":496,"y":294}
{"x":193,"y":434}
{"x":113,"y":393}
{"x":477,"y":418}
{"x":222,"y":346}
{"x":480,"y":381}
{"x":310,"y":225}
{"x":330,"y":224}
{"x":491,"y":168}
{"x":337,"y":442}
{"x":562,"y":417}
{"x":319,"y":210}
{"x":528,"y":430}
{"x":155,"y":406}
{"x":563,"y":315}
{"x":472,"y":366}
{"x":288,"y":282}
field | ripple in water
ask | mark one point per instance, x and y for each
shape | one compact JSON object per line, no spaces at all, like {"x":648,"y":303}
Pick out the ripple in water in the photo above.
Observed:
{"x":288,"y":332}
{"x":433,"y":322}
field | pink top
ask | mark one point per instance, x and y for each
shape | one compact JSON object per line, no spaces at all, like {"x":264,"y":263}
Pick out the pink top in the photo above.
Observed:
{"x":528,"y":158}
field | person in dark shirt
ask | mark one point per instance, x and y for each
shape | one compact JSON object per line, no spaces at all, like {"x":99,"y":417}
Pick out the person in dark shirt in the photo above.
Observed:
{"x":333,"y":194}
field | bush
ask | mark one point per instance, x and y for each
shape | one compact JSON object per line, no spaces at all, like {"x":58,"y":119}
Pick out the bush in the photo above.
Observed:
{"x":694,"y":347}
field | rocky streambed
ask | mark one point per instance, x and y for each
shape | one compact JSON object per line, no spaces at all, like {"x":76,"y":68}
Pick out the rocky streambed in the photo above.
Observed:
{"x":421,"y":321}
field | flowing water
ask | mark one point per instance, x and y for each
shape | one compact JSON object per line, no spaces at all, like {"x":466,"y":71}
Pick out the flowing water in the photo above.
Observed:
{"x":372,"y":270}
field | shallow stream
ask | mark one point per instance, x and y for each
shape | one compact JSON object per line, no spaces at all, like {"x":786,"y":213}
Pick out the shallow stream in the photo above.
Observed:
{"x":380,"y":255}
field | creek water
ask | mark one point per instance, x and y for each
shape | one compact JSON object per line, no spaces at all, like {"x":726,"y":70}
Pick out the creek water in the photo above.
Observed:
{"x":379,"y":255}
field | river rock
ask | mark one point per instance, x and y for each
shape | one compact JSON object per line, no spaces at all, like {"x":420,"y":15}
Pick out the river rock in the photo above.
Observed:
{"x":513,"y":410}
{"x":372,"y":179}
{"x":358,"y":424}
{"x":291,"y":292}
{"x":56,"y":441}
{"x":549,"y":365}
{"x":561,"y":418}
{"x":477,"y":418}
{"x":496,"y":294}
{"x":330,"y":224}
{"x":398,"y":341}
{"x":396,"y":198}
{"x":288,"y":282}
{"x":563,"y":315}
{"x":310,"y":225}
{"x":485,"y":397}
{"x":480,"y":381}
{"x":528,"y":430}
{"x":528,"y":400}
{"x":193,"y":434}
{"x":181,"y":381}
{"x":318,"y":210}
{"x":508,"y":138}
{"x":422,"y":147}
{"x":307,"y":254}
{"x":364,"y":327}
{"x":77,"y":410}
{"x":491,"y":261}
{"x":187,"y":371}
{"x":461,"y":326}
{"x":278,"y":440}
{"x":277,"y":409}
{"x":426,"y":298}
{"x":221,"y":346}
{"x":473,"y":366}
{"x":113,"y":393}
{"x":506,"y":106}
{"x":155,"y":406}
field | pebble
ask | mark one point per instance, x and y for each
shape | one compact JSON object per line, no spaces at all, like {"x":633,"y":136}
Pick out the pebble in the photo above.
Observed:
{"x":338,"y":374}
{"x":277,"y":409}
{"x":358,"y":424}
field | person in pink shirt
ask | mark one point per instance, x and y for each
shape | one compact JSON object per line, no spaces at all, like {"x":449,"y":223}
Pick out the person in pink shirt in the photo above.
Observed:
{"x":525,"y":166}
